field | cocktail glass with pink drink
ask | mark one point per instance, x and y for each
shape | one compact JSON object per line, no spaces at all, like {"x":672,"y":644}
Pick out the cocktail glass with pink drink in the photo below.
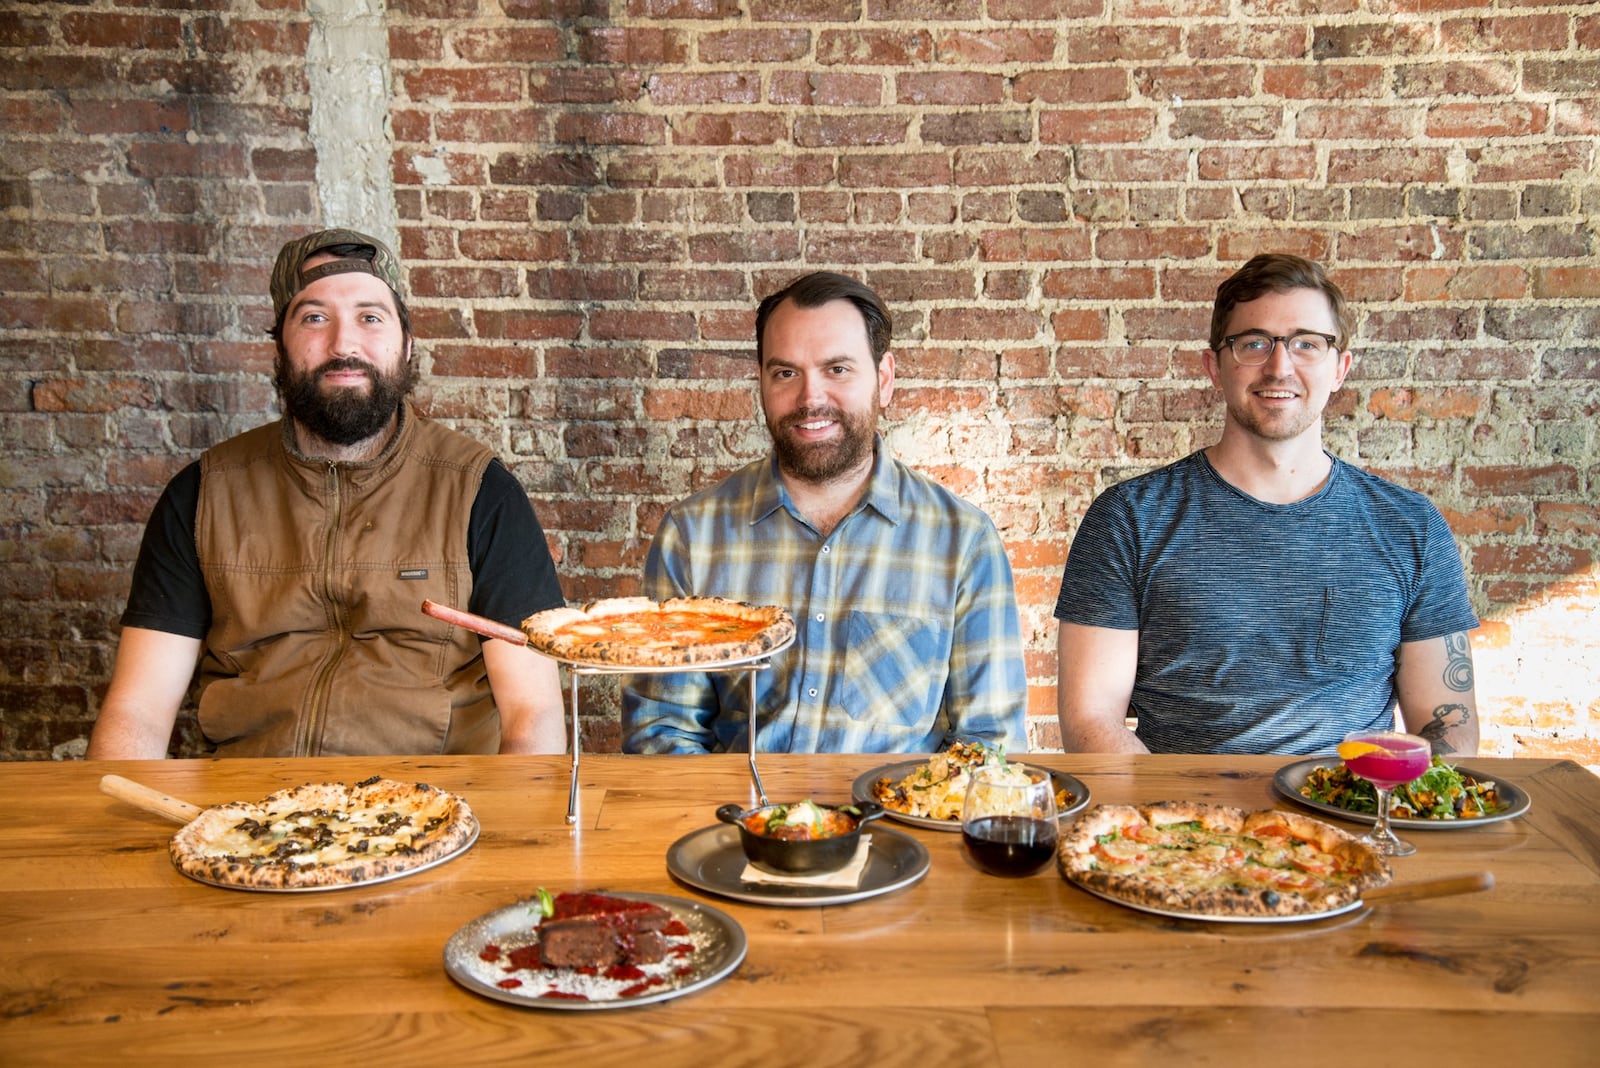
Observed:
{"x":1386,"y":759}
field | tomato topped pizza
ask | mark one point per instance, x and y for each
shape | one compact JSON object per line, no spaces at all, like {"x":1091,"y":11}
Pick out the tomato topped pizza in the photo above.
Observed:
{"x":680,"y":632}
{"x":1214,"y":860}
{"x":324,"y":835}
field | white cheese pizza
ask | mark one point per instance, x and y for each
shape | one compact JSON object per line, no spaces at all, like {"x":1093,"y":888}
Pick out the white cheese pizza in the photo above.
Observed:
{"x":324,"y":835}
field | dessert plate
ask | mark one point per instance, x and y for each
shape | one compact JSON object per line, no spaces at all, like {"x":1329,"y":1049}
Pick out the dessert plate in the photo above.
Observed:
{"x":483,"y":957}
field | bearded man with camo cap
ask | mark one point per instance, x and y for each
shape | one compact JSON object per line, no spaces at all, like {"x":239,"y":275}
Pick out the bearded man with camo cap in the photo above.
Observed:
{"x":290,"y":563}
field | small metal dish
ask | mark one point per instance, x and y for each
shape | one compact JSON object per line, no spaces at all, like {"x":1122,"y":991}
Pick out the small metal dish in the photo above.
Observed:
{"x":810,"y":856}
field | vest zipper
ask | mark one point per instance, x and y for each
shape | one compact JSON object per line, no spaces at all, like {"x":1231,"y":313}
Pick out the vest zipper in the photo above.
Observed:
{"x":317,"y":706}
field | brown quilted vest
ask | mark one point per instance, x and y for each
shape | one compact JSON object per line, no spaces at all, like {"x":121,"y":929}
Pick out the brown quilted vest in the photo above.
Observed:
{"x":317,"y":572}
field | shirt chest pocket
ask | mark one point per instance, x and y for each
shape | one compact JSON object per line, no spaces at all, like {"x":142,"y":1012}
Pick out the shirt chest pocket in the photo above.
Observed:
{"x":894,"y":667}
{"x":1360,"y":628}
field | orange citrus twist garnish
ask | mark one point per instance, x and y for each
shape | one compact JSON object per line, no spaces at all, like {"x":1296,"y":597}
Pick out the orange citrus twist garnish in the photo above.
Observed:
{"x":1351,"y":750}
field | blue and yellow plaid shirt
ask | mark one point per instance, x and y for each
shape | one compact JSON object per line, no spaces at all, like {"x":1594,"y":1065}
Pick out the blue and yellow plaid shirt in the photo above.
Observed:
{"x":906,"y":618}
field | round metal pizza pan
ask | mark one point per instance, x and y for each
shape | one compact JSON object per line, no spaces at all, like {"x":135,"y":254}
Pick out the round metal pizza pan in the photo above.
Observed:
{"x":720,"y":948}
{"x":712,"y":859}
{"x":861,"y":790}
{"x":387,"y":878}
{"x":614,"y":668}
{"x":1291,"y":777}
{"x":1204,"y":917}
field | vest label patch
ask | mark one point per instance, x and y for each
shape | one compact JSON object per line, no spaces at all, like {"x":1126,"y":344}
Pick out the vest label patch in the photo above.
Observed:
{"x":414,"y":573}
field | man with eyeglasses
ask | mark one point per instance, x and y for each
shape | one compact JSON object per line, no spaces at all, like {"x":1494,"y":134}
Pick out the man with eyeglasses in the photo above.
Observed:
{"x":1261,"y":595}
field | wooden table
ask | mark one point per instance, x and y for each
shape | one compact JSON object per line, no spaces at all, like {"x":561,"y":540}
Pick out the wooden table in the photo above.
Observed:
{"x":109,"y":955}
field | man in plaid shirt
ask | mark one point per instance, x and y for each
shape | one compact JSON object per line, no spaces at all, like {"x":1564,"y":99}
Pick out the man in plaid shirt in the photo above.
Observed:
{"x":905,"y":613}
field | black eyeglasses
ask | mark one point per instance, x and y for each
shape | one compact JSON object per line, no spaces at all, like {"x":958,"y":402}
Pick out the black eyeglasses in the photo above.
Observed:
{"x":1253,"y":347}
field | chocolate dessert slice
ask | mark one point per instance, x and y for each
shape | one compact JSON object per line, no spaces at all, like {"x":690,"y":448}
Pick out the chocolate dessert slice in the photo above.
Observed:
{"x":596,"y":931}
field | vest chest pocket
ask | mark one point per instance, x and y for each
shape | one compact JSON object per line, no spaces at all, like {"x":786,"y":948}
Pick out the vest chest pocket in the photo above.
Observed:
{"x":387,"y":599}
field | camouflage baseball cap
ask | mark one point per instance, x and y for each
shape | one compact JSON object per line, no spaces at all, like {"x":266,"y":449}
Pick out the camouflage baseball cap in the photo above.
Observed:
{"x":289,"y":277}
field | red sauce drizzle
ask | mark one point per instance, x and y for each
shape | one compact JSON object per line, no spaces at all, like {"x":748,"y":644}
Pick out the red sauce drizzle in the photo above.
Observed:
{"x":568,"y":905}
{"x":639,"y":988}
{"x":526,"y":957}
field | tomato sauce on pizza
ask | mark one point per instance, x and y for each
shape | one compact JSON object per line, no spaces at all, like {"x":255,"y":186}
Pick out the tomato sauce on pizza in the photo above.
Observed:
{"x":680,"y":632}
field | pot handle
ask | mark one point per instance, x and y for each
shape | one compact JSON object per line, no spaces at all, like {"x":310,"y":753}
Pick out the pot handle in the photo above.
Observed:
{"x":870,"y":810}
{"x":730,"y":814}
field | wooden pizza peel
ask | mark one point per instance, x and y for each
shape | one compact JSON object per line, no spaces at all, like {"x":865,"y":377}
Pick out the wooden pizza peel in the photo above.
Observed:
{"x":149,"y":799}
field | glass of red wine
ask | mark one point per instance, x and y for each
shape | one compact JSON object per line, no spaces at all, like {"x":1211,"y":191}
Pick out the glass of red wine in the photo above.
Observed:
{"x":1008,"y":821}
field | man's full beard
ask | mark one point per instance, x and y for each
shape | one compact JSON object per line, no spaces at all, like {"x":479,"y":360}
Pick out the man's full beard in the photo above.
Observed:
{"x":344,"y":415}
{"x":823,"y":461}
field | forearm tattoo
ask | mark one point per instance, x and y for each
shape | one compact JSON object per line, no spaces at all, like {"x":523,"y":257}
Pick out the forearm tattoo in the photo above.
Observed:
{"x":1437,"y":730}
{"x":1458,"y":663}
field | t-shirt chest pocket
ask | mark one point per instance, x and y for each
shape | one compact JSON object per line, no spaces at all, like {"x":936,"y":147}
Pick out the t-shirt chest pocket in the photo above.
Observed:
{"x":1360,"y":626}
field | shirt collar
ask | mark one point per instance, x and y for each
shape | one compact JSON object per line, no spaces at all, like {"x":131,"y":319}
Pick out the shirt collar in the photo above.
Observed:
{"x":882,"y":492}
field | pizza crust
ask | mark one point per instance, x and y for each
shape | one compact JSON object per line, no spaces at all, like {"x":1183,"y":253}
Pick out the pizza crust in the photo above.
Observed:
{"x":1238,"y":864}
{"x":678,"y":632}
{"x":324,"y":835}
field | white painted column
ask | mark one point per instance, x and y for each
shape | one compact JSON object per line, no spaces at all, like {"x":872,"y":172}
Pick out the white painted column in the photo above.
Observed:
{"x":347,"y":63}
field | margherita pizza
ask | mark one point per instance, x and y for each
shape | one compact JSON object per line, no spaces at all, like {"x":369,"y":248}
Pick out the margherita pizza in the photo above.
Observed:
{"x":1212,"y":860}
{"x":324,"y":835}
{"x":680,"y":632}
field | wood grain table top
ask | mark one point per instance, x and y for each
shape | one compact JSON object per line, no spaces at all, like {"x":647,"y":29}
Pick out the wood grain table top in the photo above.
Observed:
{"x":110,"y":955}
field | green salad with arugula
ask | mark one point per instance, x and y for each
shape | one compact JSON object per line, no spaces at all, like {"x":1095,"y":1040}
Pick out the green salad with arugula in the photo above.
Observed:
{"x":1440,"y":793}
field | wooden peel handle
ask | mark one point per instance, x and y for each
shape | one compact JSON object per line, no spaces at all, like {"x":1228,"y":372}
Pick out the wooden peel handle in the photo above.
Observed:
{"x":150,"y":800}
{"x":489,"y":628}
{"x":1454,"y":884}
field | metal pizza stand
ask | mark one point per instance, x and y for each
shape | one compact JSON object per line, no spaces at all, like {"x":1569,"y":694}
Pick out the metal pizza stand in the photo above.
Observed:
{"x":750,"y":665}
{"x":576,"y":669}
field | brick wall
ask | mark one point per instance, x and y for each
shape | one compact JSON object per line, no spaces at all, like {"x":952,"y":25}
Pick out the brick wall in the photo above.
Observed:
{"x":592,"y":196}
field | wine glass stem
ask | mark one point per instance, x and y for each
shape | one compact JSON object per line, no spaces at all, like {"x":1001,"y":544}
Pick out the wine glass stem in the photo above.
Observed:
{"x":1382,"y":832}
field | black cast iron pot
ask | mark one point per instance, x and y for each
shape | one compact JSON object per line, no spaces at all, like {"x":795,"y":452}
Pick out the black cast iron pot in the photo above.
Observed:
{"x":801,"y":857}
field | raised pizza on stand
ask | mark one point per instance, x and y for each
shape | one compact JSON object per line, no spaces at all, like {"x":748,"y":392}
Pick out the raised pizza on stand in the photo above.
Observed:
{"x":678,"y":632}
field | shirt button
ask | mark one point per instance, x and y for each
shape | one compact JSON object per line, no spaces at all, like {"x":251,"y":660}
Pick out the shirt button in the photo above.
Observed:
{"x":827,"y":548}
{"x":811,"y":693}
{"x":819,"y":617}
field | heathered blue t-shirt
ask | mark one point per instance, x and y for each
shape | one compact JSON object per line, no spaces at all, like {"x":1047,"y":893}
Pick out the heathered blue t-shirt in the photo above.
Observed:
{"x":1263,"y":628}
